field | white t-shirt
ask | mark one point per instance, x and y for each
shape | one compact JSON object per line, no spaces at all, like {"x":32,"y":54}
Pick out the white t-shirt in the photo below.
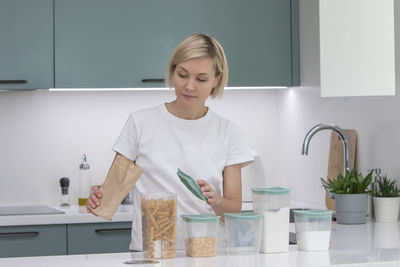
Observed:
{"x":160,"y":143}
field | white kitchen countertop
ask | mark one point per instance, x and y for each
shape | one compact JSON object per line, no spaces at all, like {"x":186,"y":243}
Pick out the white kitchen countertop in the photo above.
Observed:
{"x":73,"y":214}
{"x":76,"y":214}
{"x":370,"y":244}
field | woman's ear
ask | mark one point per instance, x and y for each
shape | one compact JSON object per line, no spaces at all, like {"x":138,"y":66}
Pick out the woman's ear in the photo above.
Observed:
{"x":217,"y":80}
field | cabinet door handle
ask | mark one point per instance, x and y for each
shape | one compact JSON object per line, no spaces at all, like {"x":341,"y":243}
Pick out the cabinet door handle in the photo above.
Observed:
{"x":13,"y":81}
{"x":18,"y":234}
{"x":112,"y":230}
{"x":153,"y":80}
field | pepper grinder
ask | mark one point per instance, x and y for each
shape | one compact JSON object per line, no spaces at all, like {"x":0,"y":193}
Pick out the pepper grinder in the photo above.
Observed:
{"x":64,"y":183}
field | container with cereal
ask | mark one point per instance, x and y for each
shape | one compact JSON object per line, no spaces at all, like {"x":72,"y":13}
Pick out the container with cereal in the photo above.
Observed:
{"x":159,"y":225}
{"x":201,"y":235}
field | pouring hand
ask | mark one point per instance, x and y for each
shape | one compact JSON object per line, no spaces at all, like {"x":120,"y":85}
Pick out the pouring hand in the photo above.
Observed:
{"x":93,"y":200}
{"x":213,"y":197}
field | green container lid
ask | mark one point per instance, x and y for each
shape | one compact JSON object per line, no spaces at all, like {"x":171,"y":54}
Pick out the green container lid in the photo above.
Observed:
{"x":244,"y":215}
{"x":313,"y":213}
{"x":191,"y":184}
{"x":271,"y":190}
{"x":201,"y":218}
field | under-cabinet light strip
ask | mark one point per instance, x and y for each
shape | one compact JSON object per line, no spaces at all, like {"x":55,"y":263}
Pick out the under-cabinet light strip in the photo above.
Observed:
{"x":256,"y":87}
{"x":104,"y":89}
{"x":151,"y":89}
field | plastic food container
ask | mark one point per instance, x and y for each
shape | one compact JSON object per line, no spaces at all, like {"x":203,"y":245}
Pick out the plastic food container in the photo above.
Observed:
{"x":313,"y":229}
{"x":201,"y":235}
{"x":243,"y":232}
{"x":273,"y":203}
{"x":159,"y":225}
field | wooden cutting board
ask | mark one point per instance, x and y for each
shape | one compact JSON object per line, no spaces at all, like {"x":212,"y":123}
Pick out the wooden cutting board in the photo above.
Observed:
{"x":336,"y":159}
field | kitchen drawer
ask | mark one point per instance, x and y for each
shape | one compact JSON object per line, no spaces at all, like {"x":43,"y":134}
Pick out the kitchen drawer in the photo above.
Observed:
{"x":98,"y":237}
{"x":32,"y":240}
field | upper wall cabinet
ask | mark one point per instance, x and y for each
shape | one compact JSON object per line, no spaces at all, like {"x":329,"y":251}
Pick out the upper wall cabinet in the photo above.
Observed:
{"x":26,"y":54}
{"x":357,"y":47}
{"x":121,"y":43}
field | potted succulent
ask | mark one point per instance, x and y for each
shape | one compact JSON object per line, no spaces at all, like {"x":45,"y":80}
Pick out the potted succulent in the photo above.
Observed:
{"x":386,"y":199}
{"x":351,"y":196}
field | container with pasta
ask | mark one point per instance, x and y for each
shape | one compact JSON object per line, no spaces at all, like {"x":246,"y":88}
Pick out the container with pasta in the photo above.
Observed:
{"x":201,"y":235}
{"x":159,"y":225}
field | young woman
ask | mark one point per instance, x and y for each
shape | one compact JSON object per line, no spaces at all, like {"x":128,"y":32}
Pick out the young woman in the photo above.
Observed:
{"x":186,"y":134}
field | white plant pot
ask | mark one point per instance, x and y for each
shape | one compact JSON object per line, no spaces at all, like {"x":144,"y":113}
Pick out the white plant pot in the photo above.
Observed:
{"x":386,"y":209}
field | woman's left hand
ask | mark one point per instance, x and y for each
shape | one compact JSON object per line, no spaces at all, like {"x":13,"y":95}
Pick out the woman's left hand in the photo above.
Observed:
{"x":213,"y":197}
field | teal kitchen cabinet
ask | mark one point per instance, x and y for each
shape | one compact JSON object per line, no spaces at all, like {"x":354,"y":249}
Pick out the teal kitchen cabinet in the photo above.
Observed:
{"x":33,"y":240}
{"x":26,"y":46}
{"x":63,"y":239}
{"x":99,"y":237}
{"x":116,"y":44}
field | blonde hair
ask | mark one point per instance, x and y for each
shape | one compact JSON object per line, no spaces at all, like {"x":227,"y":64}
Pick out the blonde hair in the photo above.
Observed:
{"x":200,"y":46}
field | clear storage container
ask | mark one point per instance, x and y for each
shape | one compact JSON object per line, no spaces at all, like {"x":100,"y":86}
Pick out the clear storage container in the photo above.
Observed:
{"x":201,"y":235}
{"x":313,"y":229}
{"x":159,"y":225}
{"x":243,"y":232}
{"x":273,"y":203}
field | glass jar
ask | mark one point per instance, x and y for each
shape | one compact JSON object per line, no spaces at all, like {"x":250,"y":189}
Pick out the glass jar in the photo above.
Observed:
{"x":274,"y":204}
{"x":243,"y":232}
{"x":201,"y":235}
{"x":313,"y":229}
{"x":159,"y":225}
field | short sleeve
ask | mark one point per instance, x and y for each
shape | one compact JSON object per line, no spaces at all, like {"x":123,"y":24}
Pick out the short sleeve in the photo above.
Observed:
{"x":238,"y":150}
{"x":127,"y":144}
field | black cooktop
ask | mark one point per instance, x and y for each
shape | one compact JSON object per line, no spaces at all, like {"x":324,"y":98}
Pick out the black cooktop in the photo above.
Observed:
{"x":28,"y":210}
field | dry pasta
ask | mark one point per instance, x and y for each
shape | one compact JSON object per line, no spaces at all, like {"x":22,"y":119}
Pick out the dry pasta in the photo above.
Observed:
{"x":159,"y":227}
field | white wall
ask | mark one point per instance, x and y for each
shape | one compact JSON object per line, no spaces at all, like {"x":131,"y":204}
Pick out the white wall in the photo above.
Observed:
{"x":44,"y":134}
{"x":376,"y":120}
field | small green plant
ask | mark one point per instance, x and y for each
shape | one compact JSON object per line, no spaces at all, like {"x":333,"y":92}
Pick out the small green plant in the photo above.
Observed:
{"x":351,"y":183}
{"x":386,"y":187}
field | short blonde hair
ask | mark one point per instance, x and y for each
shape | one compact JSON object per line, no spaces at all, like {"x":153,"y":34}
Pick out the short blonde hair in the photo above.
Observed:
{"x":200,"y":46}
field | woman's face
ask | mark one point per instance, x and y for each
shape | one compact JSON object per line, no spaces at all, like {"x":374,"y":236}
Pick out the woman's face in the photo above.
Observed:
{"x":193,"y":80}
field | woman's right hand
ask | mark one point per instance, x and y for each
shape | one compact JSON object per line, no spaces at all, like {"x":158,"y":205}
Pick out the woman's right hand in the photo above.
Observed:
{"x":94,"y":199}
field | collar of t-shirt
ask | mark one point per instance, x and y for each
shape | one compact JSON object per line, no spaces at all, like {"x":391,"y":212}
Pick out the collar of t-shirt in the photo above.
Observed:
{"x":175,"y":119}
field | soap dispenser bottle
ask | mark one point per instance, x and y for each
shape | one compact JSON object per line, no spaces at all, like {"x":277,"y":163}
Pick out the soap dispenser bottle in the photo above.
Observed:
{"x":85,"y":181}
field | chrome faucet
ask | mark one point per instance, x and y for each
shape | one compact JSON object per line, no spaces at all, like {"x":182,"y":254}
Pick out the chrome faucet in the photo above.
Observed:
{"x":339,"y":131}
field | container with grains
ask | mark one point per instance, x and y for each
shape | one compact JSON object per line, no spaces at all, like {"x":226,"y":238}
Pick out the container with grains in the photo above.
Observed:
{"x":201,"y":235}
{"x":159,"y":225}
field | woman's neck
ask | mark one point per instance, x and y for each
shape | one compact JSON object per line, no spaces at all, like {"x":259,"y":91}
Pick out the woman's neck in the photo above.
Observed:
{"x":193,"y":113}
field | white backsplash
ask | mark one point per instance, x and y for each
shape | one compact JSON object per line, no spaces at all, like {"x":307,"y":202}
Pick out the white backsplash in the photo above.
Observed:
{"x":44,"y":134}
